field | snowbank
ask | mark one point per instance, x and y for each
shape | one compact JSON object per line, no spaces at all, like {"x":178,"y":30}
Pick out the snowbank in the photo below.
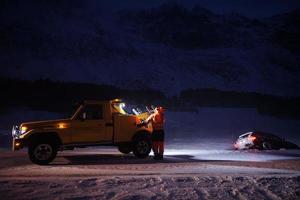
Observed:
{"x":180,"y":187}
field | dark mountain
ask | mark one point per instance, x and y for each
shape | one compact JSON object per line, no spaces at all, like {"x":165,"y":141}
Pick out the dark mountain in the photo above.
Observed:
{"x":168,"y":48}
{"x":287,"y":30}
{"x":180,"y":27}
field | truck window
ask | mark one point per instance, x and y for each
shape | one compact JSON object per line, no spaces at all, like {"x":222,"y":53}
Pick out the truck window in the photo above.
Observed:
{"x":93,"y":112}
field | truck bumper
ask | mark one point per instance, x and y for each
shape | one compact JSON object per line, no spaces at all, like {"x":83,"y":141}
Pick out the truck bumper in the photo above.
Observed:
{"x":17,"y":144}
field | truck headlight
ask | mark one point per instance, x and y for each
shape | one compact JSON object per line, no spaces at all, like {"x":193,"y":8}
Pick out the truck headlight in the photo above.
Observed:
{"x":23,"y":129}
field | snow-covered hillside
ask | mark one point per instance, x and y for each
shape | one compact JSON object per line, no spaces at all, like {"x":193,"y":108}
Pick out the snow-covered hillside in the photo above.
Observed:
{"x":169,"y":47}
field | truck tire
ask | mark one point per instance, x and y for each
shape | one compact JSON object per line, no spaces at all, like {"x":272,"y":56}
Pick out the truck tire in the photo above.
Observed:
{"x":142,"y":146}
{"x":125,"y":149}
{"x":42,"y":152}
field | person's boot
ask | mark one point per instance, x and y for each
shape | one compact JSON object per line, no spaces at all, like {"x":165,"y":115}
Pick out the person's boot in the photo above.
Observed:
{"x":160,"y":157}
{"x":156,"y":156}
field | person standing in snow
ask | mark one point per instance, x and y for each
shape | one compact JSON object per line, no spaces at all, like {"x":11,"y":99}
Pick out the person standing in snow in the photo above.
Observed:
{"x":158,"y":134}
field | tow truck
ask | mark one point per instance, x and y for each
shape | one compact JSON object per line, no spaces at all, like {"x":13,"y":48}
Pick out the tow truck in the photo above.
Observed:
{"x":93,"y":123}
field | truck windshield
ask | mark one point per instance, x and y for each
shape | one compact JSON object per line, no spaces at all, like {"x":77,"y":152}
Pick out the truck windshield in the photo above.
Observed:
{"x":135,"y":109}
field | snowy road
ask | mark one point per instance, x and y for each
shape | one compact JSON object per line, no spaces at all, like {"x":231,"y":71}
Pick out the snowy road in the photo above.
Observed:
{"x":108,"y":161}
{"x":103,"y":173}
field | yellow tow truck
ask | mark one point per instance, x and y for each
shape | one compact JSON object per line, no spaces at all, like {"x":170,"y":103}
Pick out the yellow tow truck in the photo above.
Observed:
{"x":93,"y":123}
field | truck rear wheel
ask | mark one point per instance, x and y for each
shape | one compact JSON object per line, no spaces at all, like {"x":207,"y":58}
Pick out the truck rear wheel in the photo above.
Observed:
{"x":142,"y":147}
{"x":42,"y":152}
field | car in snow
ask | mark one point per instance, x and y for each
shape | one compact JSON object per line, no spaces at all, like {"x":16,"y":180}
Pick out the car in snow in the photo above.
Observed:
{"x":94,"y":123}
{"x":262,"y":141}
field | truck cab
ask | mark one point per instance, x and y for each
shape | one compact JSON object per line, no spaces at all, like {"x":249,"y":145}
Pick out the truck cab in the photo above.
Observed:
{"x":93,"y":123}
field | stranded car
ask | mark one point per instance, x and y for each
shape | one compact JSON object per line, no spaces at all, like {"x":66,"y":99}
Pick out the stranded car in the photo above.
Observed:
{"x":262,"y":140}
{"x":93,"y":123}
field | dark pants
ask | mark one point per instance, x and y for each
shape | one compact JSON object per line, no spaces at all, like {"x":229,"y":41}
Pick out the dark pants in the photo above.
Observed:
{"x":158,"y":137}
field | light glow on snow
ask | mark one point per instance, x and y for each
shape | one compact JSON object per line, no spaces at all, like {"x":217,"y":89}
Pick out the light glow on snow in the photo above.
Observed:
{"x":233,"y":155}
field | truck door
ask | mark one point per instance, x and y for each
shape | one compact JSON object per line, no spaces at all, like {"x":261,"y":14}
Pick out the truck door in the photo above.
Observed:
{"x":89,"y":126}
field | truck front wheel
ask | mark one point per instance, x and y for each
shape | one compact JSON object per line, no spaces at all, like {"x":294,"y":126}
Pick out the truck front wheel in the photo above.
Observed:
{"x":42,"y":153}
{"x":142,"y":147}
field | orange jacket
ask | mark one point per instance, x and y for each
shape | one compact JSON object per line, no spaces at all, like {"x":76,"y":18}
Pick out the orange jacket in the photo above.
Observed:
{"x":159,"y":120}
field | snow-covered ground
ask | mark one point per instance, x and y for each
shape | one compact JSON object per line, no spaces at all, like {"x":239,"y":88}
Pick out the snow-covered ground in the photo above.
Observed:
{"x":199,"y":163}
{"x":155,"y":187}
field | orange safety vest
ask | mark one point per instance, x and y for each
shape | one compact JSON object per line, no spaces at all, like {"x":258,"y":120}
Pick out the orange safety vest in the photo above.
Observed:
{"x":158,"y":121}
